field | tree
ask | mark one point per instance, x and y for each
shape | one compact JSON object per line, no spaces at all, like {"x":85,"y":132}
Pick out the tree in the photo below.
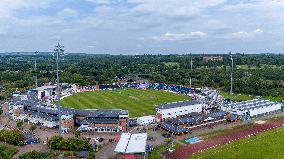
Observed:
{"x":69,"y":144}
{"x":12,"y":137}
{"x":77,"y":134}
{"x":20,"y":124}
{"x":32,"y":128}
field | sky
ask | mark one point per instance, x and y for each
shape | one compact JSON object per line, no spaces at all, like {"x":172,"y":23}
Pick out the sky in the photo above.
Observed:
{"x":143,"y":26}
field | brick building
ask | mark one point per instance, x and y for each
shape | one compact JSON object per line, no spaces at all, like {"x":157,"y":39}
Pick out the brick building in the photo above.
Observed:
{"x":102,"y":120}
{"x":18,"y":109}
{"x":67,"y":121}
{"x":212,"y":58}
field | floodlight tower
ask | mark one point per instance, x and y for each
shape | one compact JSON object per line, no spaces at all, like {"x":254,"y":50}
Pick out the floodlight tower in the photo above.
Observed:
{"x":35,"y":54}
{"x":58,"y":52}
{"x":190,"y":79}
{"x":231,"y":90}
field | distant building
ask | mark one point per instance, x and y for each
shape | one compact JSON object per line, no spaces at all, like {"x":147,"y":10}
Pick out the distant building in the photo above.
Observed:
{"x":212,"y":58}
{"x":175,"y":109}
{"x":45,"y":91}
{"x":49,"y":91}
{"x":18,"y":109}
{"x":20,"y":95}
{"x":67,"y":122}
{"x":131,"y":146}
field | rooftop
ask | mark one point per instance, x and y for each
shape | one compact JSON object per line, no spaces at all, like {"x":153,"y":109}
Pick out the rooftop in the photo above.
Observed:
{"x":45,"y":87}
{"x":178,"y":104}
{"x":251,"y":104}
{"x":131,"y":143}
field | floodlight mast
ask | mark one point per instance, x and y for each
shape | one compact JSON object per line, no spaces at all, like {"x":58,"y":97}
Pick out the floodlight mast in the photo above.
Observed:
{"x":35,"y":54}
{"x":231,"y":90}
{"x":190,"y":79}
{"x":58,"y":52}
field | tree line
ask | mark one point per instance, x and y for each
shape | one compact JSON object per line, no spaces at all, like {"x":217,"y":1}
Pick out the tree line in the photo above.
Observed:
{"x":259,"y":74}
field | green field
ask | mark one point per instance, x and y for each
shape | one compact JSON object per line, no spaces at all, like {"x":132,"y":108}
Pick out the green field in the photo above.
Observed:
{"x":237,"y":97}
{"x":268,"y":145}
{"x":7,"y":152}
{"x":137,"y":101}
{"x":172,"y":64}
{"x":243,"y":97}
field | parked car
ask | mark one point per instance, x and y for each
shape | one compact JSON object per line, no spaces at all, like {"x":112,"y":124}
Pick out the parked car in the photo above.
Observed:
{"x":31,"y":141}
{"x":99,"y":139}
{"x":167,"y":135}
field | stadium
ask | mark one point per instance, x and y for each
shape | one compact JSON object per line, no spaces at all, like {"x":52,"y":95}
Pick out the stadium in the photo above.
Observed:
{"x":138,"y":99}
{"x":101,"y":108}
{"x":123,"y":107}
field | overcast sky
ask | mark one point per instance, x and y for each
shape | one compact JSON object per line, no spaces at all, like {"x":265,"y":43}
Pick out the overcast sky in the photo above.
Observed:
{"x":143,"y":26}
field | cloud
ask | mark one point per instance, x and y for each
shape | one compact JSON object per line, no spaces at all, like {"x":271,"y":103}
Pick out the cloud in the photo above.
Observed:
{"x":100,"y":1}
{"x":249,"y":5}
{"x":8,"y":7}
{"x":117,"y":24}
{"x":68,"y":13}
{"x":180,"y":36}
{"x":172,"y":8}
{"x":247,"y":35}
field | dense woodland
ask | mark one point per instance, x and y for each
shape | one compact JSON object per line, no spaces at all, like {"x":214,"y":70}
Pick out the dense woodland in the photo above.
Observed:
{"x":261,"y":74}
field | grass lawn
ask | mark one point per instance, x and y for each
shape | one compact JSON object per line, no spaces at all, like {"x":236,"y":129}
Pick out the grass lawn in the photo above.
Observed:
{"x":242,"y":97}
{"x":225,"y":131}
{"x":7,"y":152}
{"x":157,"y":151}
{"x":275,"y":99}
{"x":171,"y":64}
{"x":268,"y":145}
{"x":237,"y":97}
{"x":138,"y":102}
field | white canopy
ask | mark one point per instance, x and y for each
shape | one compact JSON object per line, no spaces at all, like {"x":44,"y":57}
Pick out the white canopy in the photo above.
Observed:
{"x":49,"y":124}
{"x":84,"y":127}
{"x":131,"y":143}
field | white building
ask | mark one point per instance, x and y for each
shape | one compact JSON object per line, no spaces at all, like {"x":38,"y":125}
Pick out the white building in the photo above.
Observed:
{"x":146,"y":120}
{"x":175,"y":109}
{"x":253,"y":107}
{"x":131,"y":144}
{"x":20,"y":95}
{"x":45,"y":91}
{"x":48,"y":91}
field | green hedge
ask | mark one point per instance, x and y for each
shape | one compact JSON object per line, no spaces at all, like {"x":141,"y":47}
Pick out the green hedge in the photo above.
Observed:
{"x":1,"y":111}
{"x":7,"y":152}
{"x":37,"y":155}
{"x":12,"y":136}
{"x":70,"y":144}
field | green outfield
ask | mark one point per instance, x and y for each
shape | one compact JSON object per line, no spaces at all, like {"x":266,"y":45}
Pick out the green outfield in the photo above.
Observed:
{"x":138,"y":102}
{"x":268,"y":145}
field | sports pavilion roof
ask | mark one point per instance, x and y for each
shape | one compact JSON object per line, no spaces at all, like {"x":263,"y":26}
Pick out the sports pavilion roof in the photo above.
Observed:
{"x":177,"y":104}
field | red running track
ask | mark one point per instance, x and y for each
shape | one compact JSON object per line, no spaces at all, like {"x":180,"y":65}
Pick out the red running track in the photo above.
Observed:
{"x":187,"y":151}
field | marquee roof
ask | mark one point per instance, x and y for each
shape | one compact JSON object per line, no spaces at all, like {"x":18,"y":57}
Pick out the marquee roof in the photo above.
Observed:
{"x":131,"y":143}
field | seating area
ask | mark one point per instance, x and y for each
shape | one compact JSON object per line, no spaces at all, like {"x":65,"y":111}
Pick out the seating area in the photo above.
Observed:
{"x":192,"y":121}
{"x":156,"y":86}
{"x":217,"y":114}
{"x":174,"y":129}
{"x":189,"y":120}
